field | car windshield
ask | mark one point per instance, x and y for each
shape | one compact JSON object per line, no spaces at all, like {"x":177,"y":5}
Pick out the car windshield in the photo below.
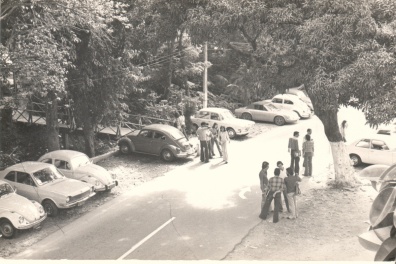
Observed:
{"x":47,"y":175}
{"x":79,"y":161}
{"x":227,"y":114}
{"x":176,"y":134}
{"x":271,"y":107}
{"x":5,"y":189}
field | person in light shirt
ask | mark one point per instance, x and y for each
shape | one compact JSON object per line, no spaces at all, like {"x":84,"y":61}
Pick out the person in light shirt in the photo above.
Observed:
{"x":203,"y":134}
{"x":283,"y":175}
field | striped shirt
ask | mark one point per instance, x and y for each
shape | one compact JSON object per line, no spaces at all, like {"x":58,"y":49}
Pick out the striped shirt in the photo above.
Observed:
{"x":275,"y":184}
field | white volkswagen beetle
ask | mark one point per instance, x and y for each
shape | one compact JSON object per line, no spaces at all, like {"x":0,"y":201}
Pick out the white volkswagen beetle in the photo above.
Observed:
{"x":17,"y":212}
{"x":76,"y":165}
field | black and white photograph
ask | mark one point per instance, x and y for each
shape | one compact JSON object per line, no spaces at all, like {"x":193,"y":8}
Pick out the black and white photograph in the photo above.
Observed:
{"x":198,"y":130}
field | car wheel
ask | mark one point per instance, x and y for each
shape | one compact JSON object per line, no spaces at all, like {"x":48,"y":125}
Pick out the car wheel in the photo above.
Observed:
{"x":50,"y":208}
{"x":7,"y":229}
{"x":279,"y":120}
{"x":231,"y":132}
{"x":297,"y":113}
{"x":167,"y":155}
{"x":356,"y":160}
{"x":247,"y":116}
{"x":124,"y":148}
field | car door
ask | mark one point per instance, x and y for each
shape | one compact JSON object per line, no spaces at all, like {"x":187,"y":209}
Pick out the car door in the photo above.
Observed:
{"x":278,"y":102}
{"x":201,"y":116}
{"x":26,"y":186}
{"x":214,"y":118}
{"x":362,"y":149}
{"x":143,"y":141}
{"x":380,"y":153}
{"x":64,"y":167}
{"x":263,"y":113}
{"x":288,"y":104}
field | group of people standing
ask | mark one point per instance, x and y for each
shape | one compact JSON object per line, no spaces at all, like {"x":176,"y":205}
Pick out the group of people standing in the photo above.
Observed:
{"x":286,"y":185}
{"x":208,"y":137}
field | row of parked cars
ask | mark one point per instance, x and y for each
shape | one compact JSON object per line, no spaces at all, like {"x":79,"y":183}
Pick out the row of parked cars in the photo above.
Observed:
{"x":30,"y":191}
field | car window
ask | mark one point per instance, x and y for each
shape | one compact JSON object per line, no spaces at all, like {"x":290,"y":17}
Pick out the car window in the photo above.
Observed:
{"x":364,"y":143}
{"x":47,"y":175}
{"x":270,"y":107}
{"x":277,"y":100}
{"x":226,"y":114}
{"x":62,"y":164}
{"x":379,"y":145}
{"x":158,"y":135}
{"x":288,"y":102}
{"x":146,"y":133}
{"x":47,"y":161}
{"x":10,"y":176}
{"x":24,"y":178}
{"x":78,"y":161}
{"x":214,"y":116}
{"x":259,"y":107}
{"x":203,"y":114}
{"x":5,"y":189}
{"x":251,"y":106}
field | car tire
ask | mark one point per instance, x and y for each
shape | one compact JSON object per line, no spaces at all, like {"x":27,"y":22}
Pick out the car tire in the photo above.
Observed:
{"x":247,"y":116}
{"x":124,"y":148}
{"x":231,"y":132}
{"x":279,"y":120}
{"x":356,"y":160}
{"x":50,"y":208}
{"x":167,"y":155}
{"x":298,"y":114}
{"x":7,"y":229}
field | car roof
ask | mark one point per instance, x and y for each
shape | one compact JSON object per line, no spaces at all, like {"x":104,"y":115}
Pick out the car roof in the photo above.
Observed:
{"x":287,"y":96}
{"x":29,"y":166}
{"x":161,"y":127}
{"x":214,"y":109}
{"x":63,"y":153}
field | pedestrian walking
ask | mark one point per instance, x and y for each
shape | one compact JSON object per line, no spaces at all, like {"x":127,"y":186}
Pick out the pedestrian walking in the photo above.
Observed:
{"x":308,"y":153}
{"x":263,"y":182}
{"x":282,"y":175}
{"x":182,"y":122}
{"x":204,"y":137}
{"x":291,"y":182}
{"x":215,"y":139}
{"x":275,"y":185}
{"x":224,"y":140}
{"x":343,"y":127}
{"x":295,"y":152}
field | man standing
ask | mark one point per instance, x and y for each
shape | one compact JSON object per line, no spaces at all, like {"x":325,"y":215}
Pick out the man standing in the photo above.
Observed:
{"x":204,"y":137}
{"x":295,"y":153}
{"x":263,"y":182}
{"x":282,"y":175}
{"x":309,"y":132}
{"x":275,"y":185}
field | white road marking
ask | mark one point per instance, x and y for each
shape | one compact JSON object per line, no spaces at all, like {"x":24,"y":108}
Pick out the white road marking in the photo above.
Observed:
{"x":242,"y":192}
{"x":145,"y":239}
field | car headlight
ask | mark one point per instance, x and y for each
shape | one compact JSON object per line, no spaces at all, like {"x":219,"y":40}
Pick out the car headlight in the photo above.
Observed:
{"x":67,"y":199}
{"x":41,"y":209}
{"x":21,"y":219}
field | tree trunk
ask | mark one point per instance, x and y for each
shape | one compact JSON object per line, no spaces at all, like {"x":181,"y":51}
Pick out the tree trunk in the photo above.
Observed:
{"x":89,"y":137}
{"x":52,"y":122}
{"x":343,"y":169}
{"x":170,"y":69}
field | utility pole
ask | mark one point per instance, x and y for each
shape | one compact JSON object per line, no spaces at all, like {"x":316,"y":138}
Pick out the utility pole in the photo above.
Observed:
{"x":205,"y":76}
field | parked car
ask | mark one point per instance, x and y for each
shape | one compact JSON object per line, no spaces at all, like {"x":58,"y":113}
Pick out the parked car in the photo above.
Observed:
{"x":268,"y":112}
{"x":223,"y":117}
{"x":160,"y":140}
{"x":302,"y":94}
{"x":375,"y":149}
{"x":17,"y":212}
{"x":381,"y":235}
{"x":78,"y":166}
{"x":43,"y":183}
{"x":292,"y":102}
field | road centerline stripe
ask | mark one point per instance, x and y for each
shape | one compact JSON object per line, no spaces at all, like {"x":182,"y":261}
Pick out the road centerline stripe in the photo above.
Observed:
{"x":145,"y":239}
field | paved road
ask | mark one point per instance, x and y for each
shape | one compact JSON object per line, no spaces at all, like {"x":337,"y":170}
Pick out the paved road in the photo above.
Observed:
{"x":197,"y":211}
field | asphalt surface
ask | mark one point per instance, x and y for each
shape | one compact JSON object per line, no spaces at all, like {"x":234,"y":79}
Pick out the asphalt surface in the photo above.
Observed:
{"x":197,"y":211}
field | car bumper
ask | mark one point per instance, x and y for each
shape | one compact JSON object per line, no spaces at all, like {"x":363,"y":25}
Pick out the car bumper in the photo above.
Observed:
{"x":78,"y":202}
{"x":186,"y":154}
{"x":107,"y":187}
{"x":33,"y":224}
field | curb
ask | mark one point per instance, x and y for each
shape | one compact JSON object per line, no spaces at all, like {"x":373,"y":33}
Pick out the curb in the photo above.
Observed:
{"x":104,"y":156}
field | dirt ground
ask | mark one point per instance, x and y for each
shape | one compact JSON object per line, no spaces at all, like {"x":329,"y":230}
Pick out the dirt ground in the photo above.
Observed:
{"x":327,"y":228}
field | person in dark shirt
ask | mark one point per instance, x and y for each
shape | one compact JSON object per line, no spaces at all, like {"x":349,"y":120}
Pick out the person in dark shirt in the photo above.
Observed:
{"x":290,"y":182}
{"x":275,"y":185}
{"x":295,"y":153}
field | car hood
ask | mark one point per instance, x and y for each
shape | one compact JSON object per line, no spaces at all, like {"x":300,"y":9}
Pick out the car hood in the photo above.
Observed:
{"x":19,"y":204}
{"x":95,"y":171}
{"x":66,"y":187}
